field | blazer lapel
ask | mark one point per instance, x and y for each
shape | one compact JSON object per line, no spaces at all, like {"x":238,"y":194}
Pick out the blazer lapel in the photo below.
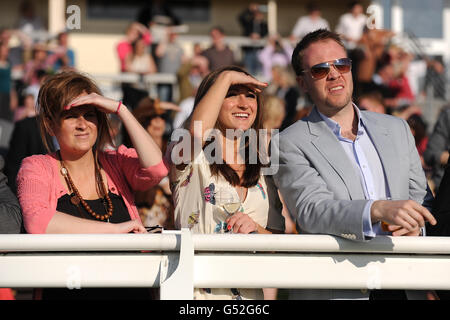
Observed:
{"x":386,"y":150}
{"x":329,"y":146}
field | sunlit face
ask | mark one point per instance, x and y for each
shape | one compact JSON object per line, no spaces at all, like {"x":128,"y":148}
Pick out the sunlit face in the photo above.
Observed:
{"x":239,"y":108}
{"x":78,"y":129}
{"x":333,"y":92}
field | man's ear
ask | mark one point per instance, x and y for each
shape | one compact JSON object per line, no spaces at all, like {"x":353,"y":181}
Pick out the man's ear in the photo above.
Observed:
{"x":302,"y":84}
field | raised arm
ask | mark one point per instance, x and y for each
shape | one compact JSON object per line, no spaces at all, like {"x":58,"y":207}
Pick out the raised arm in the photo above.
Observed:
{"x":207,"y":110}
{"x":148,"y":151}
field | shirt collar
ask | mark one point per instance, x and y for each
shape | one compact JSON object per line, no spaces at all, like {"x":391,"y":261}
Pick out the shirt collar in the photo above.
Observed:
{"x":336,"y":128}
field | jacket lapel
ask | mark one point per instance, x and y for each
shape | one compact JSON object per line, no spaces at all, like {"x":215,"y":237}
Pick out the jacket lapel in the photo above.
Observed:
{"x":381,"y":139}
{"x":330,"y":148}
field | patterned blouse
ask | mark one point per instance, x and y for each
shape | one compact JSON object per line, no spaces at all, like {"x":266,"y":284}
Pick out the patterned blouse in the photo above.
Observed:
{"x":195,"y":195}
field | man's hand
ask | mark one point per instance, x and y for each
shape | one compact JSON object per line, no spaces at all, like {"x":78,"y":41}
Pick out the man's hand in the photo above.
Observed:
{"x":399,"y":231}
{"x":401,"y":214}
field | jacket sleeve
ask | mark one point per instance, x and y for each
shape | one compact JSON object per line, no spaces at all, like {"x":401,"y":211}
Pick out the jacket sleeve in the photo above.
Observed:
{"x":10,"y":213}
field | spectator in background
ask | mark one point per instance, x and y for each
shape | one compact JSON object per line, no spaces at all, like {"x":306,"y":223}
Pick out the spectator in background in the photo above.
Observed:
{"x":25,"y":141}
{"x":19,"y":52}
{"x":367,"y":58}
{"x":6,"y":85}
{"x":34,"y":88}
{"x":140,"y":62}
{"x":276,"y":53}
{"x":252,"y":22}
{"x":273,"y":115}
{"x":40,"y":61}
{"x":284,"y":86}
{"x":134,"y":31}
{"x":170,"y":56}
{"x":435,"y":77}
{"x":6,"y":129}
{"x":418,"y":128}
{"x":157,"y":11}
{"x":351,"y":25}
{"x":219,"y":54}
{"x":436,"y":154}
{"x":155,"y":204}
{"x":190,"y":76}
{"x":254,"y":26}
{"x":28,"y":109}
{"x":157,"y":15}
{"x":400,"y":60}
{"x":62,"y":57}
{"x":273,"y":112}
{"x":372,"y":101}
{"x":29,"y":22}
{"x":309,"y":23}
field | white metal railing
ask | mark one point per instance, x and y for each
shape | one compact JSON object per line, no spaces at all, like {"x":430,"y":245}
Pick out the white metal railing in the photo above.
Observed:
{"x":149,"y":81}
{"x":179,"y":261}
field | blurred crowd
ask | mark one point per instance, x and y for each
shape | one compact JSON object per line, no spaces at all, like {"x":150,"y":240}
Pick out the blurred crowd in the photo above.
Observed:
{"x":388,"y":78}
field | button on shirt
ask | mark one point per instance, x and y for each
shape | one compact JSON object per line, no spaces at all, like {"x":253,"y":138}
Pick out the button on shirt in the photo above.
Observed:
{"x":366,"y":162}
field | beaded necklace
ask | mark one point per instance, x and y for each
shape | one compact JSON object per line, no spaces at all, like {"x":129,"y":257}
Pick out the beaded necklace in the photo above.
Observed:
{"x":76,"y":197}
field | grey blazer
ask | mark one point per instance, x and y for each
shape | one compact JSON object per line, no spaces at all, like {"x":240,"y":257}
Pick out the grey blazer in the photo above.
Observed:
{"x":321,"y":190}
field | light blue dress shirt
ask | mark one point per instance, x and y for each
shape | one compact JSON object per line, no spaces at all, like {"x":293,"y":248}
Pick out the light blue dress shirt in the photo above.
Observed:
{"x":364,"y":159}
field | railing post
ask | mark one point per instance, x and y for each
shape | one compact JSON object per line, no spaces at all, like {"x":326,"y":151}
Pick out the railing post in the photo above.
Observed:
{"x":180,"y":284}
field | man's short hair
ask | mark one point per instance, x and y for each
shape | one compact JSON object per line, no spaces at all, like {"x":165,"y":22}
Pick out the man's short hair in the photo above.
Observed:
{"x":310,"y":38}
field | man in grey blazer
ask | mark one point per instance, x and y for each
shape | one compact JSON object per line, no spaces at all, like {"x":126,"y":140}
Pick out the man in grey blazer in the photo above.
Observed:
{"x":340,"y":167}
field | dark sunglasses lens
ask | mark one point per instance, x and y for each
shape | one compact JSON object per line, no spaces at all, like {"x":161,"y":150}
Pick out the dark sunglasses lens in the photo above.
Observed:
{"x":343,"y":65}
{"x":342,"y":68}
{"x":319,"y":72}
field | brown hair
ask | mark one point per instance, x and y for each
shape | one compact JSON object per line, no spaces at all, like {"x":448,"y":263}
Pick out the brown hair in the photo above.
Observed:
{"x":252,"y":172}
{"x":58,"y":91}
{"x":310,"y":38}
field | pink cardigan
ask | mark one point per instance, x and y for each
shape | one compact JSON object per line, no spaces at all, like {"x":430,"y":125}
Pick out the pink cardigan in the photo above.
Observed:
{"x":39,"y":186}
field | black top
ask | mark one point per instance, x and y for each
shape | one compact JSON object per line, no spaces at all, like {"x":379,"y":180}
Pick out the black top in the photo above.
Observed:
{"x":120,"y":212}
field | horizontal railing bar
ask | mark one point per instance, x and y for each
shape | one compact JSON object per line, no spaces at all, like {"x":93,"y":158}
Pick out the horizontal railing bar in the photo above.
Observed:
{"x":89,"y":242}
{"x":222,"y":242}
{"x":321,"y":271}
{"x":320,"y":243}
{"x":80,"y":270}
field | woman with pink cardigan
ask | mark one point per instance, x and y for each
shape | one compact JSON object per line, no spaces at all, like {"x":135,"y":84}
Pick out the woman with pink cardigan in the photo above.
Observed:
{"x":84,"y":188}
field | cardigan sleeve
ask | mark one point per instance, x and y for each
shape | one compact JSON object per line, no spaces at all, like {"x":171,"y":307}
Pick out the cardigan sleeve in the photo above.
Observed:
{"x":139,"y":179}
{"x":34,"y":190}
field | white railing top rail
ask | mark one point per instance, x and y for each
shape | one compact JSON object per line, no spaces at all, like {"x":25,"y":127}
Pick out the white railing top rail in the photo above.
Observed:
{"x":171,"y":241}
{"x":130,"y":77}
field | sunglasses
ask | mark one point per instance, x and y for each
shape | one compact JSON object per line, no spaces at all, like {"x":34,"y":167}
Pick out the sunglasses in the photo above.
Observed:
{"x":322,"y":70}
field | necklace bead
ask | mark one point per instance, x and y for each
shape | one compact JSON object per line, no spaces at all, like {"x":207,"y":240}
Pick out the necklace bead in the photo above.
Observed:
{"x":76,"y":198}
